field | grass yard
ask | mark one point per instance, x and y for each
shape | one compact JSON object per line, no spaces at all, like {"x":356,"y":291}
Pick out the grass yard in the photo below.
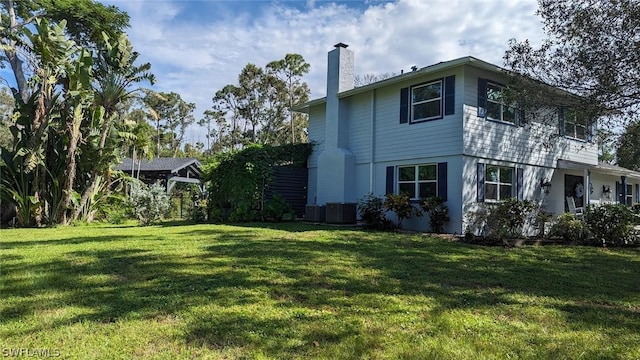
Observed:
{"x":295,"y":291}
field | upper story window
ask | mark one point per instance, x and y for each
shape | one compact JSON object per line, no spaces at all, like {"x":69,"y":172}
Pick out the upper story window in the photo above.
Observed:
{"x":497,"y":106}
{"x":426,"y":101}
{"x":418,"y":181}
{"x":494,"y":104}
{"x":575,"y":125}
{"x":499,"y":183}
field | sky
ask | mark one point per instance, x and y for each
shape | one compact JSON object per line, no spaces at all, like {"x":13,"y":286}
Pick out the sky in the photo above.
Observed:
{"x":197,"y":47}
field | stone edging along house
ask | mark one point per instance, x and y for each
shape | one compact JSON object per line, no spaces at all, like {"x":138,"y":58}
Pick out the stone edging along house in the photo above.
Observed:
{"x":445,"y":130}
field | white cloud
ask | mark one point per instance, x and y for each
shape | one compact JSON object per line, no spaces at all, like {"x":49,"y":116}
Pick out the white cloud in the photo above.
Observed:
{"x":196,"y":58}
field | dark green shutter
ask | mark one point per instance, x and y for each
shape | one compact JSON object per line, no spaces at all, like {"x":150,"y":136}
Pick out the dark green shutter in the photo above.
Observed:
{"x":404,"y":105}
{"x":480,"y":182}
{"x":637,"y":193}
{"x":442,"y":180}
{"x":449,"y":95}
{"x":482,"y":98}
{"x":390,"y":179}
{"x":520,"y":183}
{"x":623,"y":196}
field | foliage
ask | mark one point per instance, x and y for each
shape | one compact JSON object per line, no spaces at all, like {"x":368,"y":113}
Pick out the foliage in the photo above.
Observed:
{"x":500,"y":220}
{"x":198,"y":212}
{"x":270,"y":291}
{"x":402,"y":206}
{"x":259,"y":108}
{"x":237,"y":178}
{"x":62,"y":129}
{"x":438,"y":213}
{"x":635,"y":209}
{"x":116,"y":209}
{"x":7,"y":105}
{"x":150,"y":203}
{"x":372,"y":213}
{"x":612,"y":224}
{"x":277,"y":209}
{"x":172,"y":117}
{"x":570,"y":228}
{"x":507,"y":218}
{"x":590,"y":51}
{"x":244,"y":212}
{"x":628,"y":151}
{"x":87,"y":19}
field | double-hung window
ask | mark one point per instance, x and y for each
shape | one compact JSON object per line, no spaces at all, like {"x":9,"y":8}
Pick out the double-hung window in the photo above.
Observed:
{"x":499,"y":183}
{"x":575,"y":125}
{"x":497,"y":106}
{"x":629,"y":199}
{"x":418,"y":181}
{"x":426,"y":101}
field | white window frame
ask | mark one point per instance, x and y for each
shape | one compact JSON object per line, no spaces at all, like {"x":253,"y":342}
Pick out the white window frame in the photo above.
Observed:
{"x":498,"y":183}
{"x":440,"y":99}
{"x":629,"y":199}
{"x":501,"y":103}
{"x":416,"y":181}
{"x":571,"y":117}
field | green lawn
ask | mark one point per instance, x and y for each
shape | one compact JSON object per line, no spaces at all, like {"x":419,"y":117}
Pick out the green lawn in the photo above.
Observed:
{"x":294,"y":291}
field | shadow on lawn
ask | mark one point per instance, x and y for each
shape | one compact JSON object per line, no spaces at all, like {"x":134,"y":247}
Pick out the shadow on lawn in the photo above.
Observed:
{"x":62,"y":242}
{"x":316,"y":284}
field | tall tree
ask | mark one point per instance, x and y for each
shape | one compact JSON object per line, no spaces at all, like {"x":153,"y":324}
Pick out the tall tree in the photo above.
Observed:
{"x":252,"y":97}
{"x":290,"y":71}
{"x":85,"y":21}
{"x":172,"y":116}
{"x":592,"y":49}
{"x":628,"y":151}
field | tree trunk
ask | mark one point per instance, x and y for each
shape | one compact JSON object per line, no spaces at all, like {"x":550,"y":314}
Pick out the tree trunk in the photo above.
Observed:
{"x":74,"y":136}
{"x":12,"y":56}
{"x":84,"y":199}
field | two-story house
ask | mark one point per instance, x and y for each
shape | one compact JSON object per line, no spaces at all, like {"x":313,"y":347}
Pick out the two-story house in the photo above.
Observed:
{"x":446,"y":130}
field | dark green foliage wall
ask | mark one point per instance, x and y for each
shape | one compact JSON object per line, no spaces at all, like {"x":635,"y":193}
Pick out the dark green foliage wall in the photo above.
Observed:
{"x":237,"y":179}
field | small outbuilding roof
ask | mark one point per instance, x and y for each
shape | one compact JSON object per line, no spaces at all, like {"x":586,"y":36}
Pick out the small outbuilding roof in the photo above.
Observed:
{"x":172,"y":165}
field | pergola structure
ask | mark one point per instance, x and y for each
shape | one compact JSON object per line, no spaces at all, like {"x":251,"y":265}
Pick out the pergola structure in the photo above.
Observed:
{"x":168,"y":170}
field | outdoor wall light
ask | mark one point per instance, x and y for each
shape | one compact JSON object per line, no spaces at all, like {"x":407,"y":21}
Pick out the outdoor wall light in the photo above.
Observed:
{"x":545,"y":185}
{"x":606,"y":189}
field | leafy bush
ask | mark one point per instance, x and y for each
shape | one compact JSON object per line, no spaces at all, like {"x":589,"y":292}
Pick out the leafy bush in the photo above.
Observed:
{"x":507,"y":218}
{"x":438,"y":213}
{"x":277,"y":209}
{"x":244,"y":212}
{"x":401,"y":205}
{"x":611,"y":223}
{"x":499,"y":220}
{"x":372,"y":213}
{"x":116,"y":210}
{"x":635,"y":209}
{"x":570,"y":228}
{"x":150,"y":203}
{"x":198,"y":212}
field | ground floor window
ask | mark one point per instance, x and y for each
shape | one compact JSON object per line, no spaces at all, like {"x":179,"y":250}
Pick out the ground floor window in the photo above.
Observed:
{"x":418,"y":181}
{"x":629,"y":199}
{"x":498,"y":184}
